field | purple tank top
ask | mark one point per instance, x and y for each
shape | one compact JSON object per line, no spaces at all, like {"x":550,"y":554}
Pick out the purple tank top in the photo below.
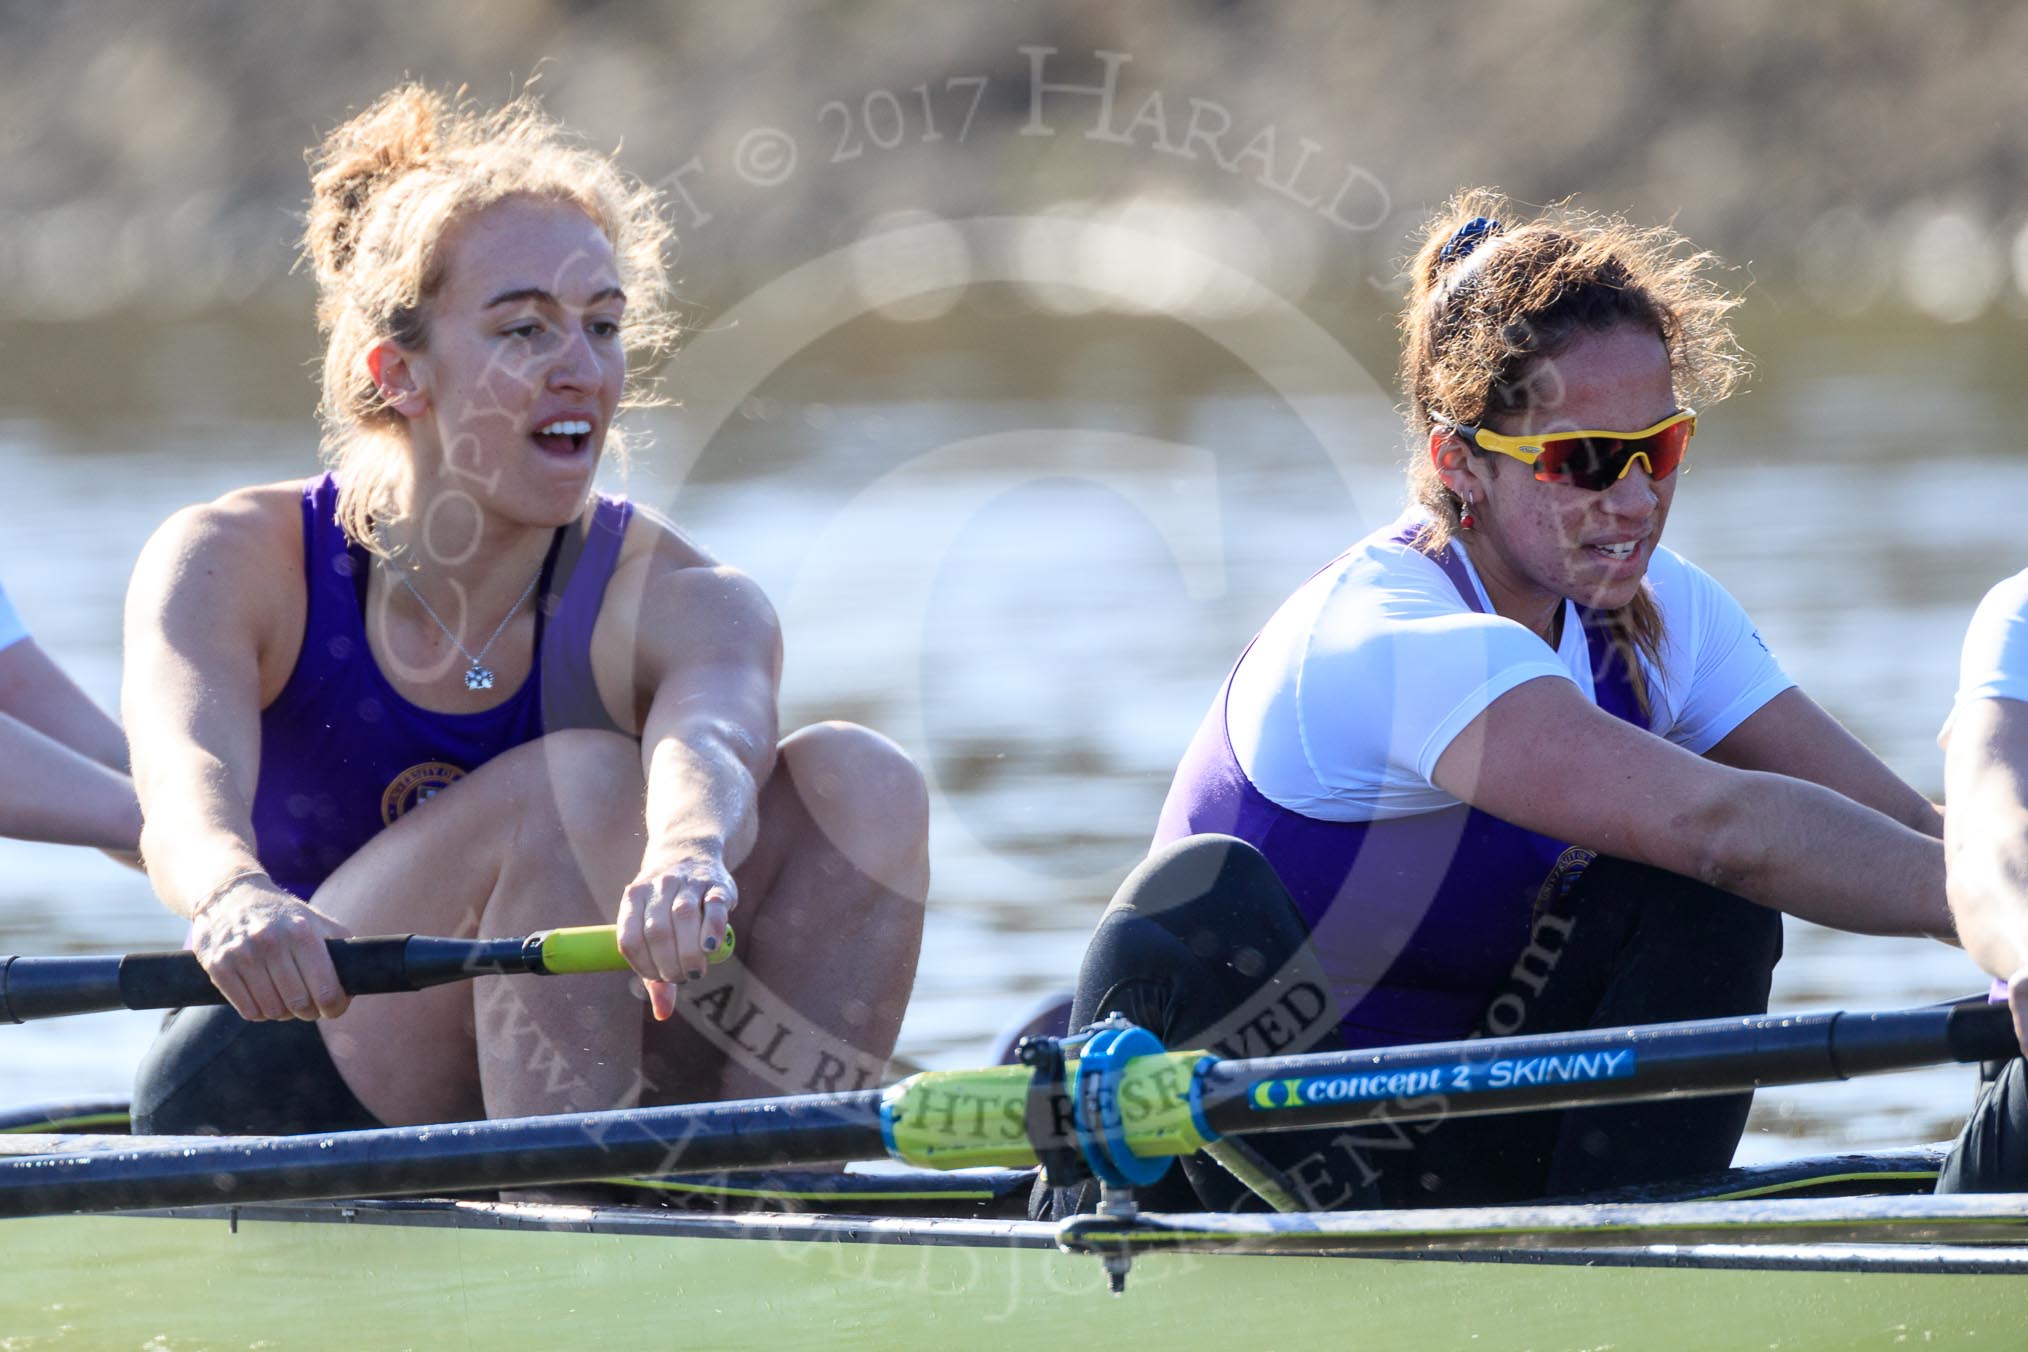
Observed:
{"x":343,"y":754}
{"x":1416,"y":920}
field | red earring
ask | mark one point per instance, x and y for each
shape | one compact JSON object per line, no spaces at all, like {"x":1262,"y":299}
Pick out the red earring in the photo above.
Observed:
{"x":1465,"y":518}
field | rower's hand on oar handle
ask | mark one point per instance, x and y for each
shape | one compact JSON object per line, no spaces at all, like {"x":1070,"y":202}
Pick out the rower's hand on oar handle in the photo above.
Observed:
{"x":672,"y":922}
{"x":264,"y":950}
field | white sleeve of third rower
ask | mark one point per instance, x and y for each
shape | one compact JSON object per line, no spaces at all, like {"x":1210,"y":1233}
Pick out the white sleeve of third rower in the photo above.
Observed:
{"x":1360,"y":681}
{"x":12,"y":630}
{"x":1716,"y":668}
{"x":1995,"y":661}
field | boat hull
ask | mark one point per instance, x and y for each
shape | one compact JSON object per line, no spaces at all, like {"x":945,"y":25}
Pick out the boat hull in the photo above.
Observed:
{"x":432,"y":1274}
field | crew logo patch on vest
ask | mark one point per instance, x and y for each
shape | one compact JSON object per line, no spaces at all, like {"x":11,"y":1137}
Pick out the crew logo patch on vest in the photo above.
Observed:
{"x":1569,"y":867}
{"x":415,"y":786}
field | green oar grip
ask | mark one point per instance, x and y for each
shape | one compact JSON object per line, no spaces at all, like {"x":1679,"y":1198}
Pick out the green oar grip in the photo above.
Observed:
{"x":596,"y":948}
{"x":587,"y":948}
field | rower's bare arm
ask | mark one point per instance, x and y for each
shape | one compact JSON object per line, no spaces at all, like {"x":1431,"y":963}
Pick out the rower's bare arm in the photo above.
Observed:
{"x":708,"y":740}
{"x":1545,"y":757}
{"x":706,"y":674}
{"x":50,"y":792}
{"x":66,"y":780}
{"x":38,"y":693}
{"x":191,"y":694}
{"x":1793,"y":735}
{"x":202,"y":607}
{"x":1986,"y":833}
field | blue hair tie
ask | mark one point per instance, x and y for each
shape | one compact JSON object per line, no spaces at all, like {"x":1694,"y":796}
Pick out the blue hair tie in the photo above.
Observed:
{"x":1468,"y":237}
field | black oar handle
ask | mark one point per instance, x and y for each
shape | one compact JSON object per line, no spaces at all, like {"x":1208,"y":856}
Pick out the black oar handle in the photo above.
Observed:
{"x":48,"y":988}
{"x":1981,"y":1031}
{"x":168,"y":980}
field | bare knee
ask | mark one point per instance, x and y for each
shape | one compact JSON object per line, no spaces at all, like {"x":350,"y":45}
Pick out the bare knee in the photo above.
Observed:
{"x":584,"y":809}
{"x":866,"y":797}
{"x":594,"y":780}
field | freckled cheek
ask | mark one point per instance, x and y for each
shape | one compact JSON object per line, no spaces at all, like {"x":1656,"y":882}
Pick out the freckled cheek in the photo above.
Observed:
{"x":1567,"y":525}
{"x":507,"y":386}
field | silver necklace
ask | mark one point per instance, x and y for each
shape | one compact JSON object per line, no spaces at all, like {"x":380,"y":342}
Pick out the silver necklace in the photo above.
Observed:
{"x":478,"y":676}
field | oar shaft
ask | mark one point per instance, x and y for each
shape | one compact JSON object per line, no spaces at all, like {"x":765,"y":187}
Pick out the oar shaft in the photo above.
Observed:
{"x":47,"y":988}
{"x":457,"y":1157}
{"x":968,"y":1117}
{"x":1566,"y":1070}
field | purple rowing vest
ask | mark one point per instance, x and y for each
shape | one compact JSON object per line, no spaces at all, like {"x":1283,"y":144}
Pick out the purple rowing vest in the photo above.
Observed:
{"x":343,"y":754}
{"x":1416,"y":920}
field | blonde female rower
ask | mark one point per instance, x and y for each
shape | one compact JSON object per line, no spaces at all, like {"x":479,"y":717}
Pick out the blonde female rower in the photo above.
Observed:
{"x":446,"y":688}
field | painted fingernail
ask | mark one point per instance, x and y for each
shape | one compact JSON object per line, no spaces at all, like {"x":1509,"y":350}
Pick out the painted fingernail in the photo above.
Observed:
{"x":695,"y":973}
{"x":710,"y":943}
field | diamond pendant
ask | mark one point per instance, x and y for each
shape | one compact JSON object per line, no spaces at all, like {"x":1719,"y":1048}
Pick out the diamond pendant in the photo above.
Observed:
{"x":479,"y":678}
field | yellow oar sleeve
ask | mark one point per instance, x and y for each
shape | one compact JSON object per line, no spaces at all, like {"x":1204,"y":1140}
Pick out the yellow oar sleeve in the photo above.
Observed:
{"x":958,"y":1119}
{"x":596,"y":948}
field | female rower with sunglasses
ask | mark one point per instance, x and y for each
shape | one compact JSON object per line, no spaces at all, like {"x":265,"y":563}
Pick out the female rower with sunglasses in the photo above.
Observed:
{"x":1507,"y":765}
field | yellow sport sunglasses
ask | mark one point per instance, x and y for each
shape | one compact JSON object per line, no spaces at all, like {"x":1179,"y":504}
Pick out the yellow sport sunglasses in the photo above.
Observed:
{"x":1591,"y":459}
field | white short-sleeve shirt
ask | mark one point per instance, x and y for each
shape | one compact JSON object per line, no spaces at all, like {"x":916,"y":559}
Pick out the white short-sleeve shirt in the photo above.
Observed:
{"x":1995,"y":661}
{"x":12,"y":630}
{"x":1355,"y":687}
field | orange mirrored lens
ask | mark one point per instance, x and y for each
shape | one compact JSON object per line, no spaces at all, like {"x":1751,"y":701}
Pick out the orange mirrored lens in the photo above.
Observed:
{"x":1597,"y":463}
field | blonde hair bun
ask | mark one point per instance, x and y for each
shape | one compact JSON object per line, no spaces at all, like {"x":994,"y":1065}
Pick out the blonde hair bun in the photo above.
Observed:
{"x":397,"y":134}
